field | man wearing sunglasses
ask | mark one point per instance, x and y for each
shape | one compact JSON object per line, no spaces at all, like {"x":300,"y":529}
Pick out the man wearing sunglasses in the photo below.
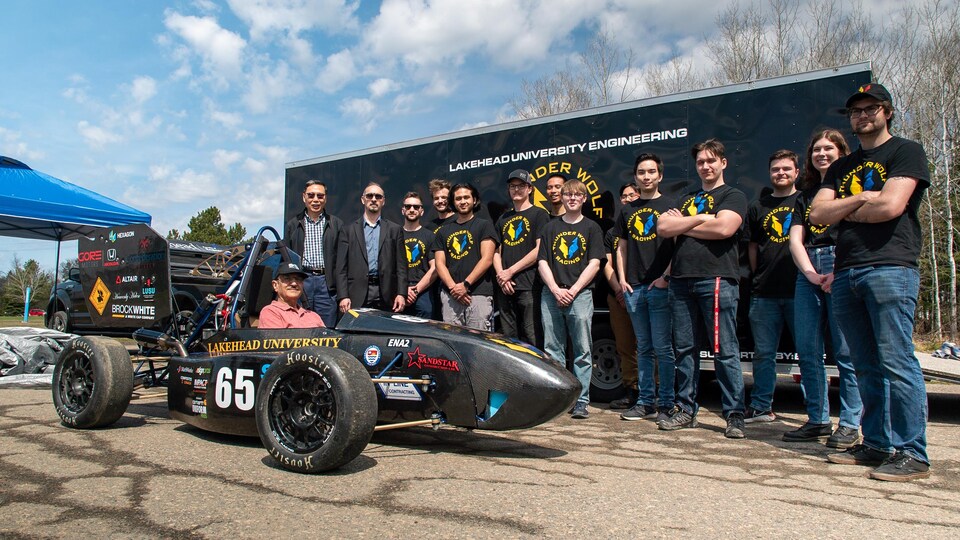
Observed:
{"x":373,"y":271}
{"x":314,"y":235}
{"x":421,"y":272}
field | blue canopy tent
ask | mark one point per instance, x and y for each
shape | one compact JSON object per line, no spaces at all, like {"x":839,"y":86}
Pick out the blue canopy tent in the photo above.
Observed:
{"x":38,"y":206}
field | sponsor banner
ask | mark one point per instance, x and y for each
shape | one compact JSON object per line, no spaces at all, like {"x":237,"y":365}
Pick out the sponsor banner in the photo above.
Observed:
{"x":125,"y":276}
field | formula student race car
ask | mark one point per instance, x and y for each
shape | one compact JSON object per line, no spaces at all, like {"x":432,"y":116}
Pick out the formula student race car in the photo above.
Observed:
{"x":313,"y":396}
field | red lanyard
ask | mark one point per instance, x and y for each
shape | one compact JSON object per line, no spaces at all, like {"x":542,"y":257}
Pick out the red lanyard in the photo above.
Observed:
{"x":716,"y":316}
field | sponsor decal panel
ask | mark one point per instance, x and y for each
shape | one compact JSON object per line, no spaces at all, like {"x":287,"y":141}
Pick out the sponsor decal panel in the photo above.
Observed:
{"x":271,"y":344}
{"x":420,"y":360}
{"x":99,"y":296}
{"x":372,"y":355}
{"x":401,"y":391}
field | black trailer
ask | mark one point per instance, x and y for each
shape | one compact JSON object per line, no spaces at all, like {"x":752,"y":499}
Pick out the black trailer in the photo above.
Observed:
{"x":599,"y":146}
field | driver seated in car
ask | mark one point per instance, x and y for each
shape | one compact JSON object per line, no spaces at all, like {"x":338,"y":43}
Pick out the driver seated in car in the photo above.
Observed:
{"x":284,"y":312}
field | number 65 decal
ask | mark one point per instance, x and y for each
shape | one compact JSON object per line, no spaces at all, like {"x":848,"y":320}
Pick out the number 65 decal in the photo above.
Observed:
{"x":234,"y":389}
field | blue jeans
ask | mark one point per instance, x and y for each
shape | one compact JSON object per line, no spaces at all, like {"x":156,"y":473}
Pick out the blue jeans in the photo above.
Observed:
{"x":814,"y":316}
{"x":767,"y":318}
{"x":575,"y":320}
{"x":649,"y":311}
{"x":422,"y":307}
{"x":694,"y":301}
{"x":320,"y":299}
{"x":875,"y":307}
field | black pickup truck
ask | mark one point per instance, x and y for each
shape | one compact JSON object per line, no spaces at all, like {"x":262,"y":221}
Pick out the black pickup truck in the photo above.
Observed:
{"x":68,"y":307}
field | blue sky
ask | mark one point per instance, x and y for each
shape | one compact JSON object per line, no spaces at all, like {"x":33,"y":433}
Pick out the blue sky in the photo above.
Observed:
{"x":172,"y":107}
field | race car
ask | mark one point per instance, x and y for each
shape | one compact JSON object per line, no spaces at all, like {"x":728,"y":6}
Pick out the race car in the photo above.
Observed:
{"x":313,"y":396}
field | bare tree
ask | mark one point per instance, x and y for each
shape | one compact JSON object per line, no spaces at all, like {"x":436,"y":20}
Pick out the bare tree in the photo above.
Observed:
{"x":676,"y":75}
{"x":610,"y":69}
{"x":607,"y":73}
{"x":23,"y":276}
{"x":561,"y":92}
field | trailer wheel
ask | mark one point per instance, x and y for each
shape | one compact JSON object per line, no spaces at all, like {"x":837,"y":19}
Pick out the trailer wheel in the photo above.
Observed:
{"x":92,"y":382}
{"x":606,"y":380}
{"x":316,"y":409}
{"x":60,"y":322}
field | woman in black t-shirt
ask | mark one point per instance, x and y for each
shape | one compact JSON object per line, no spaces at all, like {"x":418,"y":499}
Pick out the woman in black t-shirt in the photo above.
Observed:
{"x":812,"y":248}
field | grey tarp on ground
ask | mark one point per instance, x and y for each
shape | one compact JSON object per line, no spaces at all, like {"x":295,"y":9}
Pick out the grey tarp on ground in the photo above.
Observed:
{"x":29,"y":350}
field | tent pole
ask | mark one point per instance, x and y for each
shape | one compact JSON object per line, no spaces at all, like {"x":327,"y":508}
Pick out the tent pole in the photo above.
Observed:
{"x":56,"y":267}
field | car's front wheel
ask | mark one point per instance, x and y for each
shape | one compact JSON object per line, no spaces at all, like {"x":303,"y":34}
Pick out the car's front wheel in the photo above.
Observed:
{"x":316,"y":409}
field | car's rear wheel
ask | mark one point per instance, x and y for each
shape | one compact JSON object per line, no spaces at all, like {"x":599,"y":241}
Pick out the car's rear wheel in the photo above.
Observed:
{"x":92,"y":382}
{"x":316,"y":409}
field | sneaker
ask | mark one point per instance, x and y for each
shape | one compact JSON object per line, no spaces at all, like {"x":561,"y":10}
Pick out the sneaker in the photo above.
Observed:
{"x":580,"y":411}
{"x":734,"y":426}
{"x":639,"y":412}
{"x":859,"y":454}
{"x":900,"y":467}
{"x":809,"y":432}
{"x":666,"y":412}
{"x":627,"y":401}
{"x":754,"y":415}
{"x":680,"y":419}
{"x":844,"y":437}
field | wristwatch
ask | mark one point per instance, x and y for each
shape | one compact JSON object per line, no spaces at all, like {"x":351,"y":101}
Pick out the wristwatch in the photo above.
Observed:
{"x":466,"y":283}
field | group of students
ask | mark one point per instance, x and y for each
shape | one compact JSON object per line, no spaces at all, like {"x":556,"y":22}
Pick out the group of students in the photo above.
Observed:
{"x":835,"y":261}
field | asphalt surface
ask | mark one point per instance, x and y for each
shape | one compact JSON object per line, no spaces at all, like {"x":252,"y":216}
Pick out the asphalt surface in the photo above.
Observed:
{"x":149,"y":476}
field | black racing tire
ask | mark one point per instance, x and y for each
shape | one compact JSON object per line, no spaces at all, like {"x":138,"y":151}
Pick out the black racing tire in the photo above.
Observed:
{"x":92,"y":382}
{"x":60,"y":322}
{"x":316,"y":409}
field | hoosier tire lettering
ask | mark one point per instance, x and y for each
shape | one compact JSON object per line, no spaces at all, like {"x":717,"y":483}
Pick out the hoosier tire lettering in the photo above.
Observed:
{"x":315,"y":409}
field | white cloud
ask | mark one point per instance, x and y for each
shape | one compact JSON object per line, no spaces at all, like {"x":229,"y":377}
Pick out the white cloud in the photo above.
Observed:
{"x":142,"y":89}
{"x":96,"y":136}
{"x":337,"y":72}
{"x":382,"y":87}
{"x":12,"y":146}
{"x":221,"y":50}
{"x":509,"y":33}
{"x":226,"y":119}
{"x":174,"y":186}
{"x":291,"y":17}
{"x":362,"y":110}
{"x":223,"y":159}
{"x":267,"y":85}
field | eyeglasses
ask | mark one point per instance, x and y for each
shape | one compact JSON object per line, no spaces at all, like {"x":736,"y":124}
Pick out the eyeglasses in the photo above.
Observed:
{"x":571,"y":195}
{"x":315,"y":195}
{"x":870,"y":110}
{"x":372,"y":196}
{"x":628,"y":195}
{"x":412,"y":206}
{"x":516,"y":187}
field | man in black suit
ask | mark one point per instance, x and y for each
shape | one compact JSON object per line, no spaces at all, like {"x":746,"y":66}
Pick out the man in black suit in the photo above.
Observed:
{"x":373,"y":272}
{"x":314,"y":235}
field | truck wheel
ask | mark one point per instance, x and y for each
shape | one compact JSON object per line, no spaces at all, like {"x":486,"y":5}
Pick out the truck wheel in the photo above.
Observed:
{"x":60,"y":322}
{"x":606,"y":382}
{"x":316,"y":409}
{"x":92,"y":382}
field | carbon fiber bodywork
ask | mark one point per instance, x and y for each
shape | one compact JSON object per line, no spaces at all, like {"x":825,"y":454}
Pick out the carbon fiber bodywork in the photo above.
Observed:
{"x":478,"y":379}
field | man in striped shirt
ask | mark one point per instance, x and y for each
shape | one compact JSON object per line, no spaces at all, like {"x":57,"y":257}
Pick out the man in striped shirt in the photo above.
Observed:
{"x":314,"y":234}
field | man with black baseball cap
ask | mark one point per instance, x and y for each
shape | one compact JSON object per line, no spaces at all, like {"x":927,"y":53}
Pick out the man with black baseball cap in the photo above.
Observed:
{"x":284,"y":312}
{"x":515,"y":260}
{"x":874,"y":196}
